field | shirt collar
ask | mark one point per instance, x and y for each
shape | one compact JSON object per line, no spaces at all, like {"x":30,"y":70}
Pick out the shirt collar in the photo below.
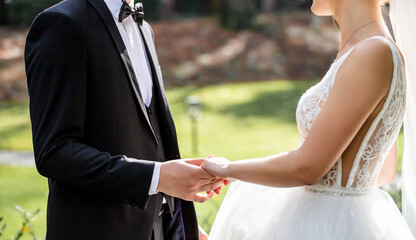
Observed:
{"x":115,"y":5}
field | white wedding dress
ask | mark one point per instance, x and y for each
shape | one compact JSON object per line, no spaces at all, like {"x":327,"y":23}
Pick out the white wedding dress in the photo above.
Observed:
{"x":327,"y":210}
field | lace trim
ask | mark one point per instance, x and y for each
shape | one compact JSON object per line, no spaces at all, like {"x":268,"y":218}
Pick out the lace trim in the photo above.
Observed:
{"x":368,"y":152}
{"x":379,"y":138}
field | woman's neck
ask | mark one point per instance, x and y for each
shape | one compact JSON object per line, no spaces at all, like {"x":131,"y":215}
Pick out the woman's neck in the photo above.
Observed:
{"x":352,"y":15}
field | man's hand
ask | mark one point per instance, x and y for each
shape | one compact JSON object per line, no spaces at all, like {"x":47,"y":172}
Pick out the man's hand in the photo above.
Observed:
{"x":186,"y":179}
{"x":202,"y":234}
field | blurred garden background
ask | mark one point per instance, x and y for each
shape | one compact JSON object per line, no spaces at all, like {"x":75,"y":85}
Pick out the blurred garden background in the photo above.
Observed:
{"x":248,"y":61}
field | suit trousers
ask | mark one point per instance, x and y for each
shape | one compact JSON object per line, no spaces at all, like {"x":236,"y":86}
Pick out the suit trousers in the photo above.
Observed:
{"x":158,"y":229}
{"x":163,"y":218}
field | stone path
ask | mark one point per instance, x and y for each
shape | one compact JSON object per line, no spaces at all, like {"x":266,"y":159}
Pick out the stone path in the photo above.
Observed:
{"x":17,"y":158}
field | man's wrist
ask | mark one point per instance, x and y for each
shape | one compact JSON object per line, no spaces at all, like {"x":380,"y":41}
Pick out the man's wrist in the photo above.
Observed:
{"x":155,"y":179}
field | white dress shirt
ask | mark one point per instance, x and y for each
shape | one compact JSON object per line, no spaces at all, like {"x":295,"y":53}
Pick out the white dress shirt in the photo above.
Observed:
{"x":133,"y":40}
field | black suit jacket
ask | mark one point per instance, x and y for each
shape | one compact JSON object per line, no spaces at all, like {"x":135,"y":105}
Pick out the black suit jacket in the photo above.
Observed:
{"x":91,"y":132}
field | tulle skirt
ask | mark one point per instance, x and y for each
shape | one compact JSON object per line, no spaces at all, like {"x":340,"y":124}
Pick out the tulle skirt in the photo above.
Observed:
{"x":252,"y":211}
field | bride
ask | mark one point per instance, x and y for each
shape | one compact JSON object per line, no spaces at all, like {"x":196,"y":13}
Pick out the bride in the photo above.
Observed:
{"x":327,"y":188}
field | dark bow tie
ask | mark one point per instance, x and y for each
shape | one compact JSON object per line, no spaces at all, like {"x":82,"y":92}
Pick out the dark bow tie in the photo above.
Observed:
{"x":137,"y":12}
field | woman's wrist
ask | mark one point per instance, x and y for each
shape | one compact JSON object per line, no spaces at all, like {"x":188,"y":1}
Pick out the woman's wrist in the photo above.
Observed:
{"x":230,"y":170}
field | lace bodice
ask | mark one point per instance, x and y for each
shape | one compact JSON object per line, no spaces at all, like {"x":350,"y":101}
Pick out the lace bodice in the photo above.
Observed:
{"x":378,"y":140}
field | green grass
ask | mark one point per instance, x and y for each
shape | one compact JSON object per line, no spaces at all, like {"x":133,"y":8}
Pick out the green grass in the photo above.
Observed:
{"x":22,"y":186}
{"x":243,"y":120}
{"x":15,"y":133}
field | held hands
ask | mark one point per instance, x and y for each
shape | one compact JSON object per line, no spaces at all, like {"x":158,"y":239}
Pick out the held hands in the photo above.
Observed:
{"x":186,"y":179}
{"x":218,"y":166}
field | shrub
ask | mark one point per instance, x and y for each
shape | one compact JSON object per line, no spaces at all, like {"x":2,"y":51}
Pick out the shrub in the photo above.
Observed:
{"x":23,"y":12}
{"x":26,"y":227}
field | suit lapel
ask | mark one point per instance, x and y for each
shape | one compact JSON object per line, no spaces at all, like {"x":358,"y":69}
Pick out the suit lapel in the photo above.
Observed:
{"x":107,"y":18}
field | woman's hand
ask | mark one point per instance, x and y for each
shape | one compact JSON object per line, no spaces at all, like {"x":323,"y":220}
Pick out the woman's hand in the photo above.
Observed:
{"x":217,"y":166}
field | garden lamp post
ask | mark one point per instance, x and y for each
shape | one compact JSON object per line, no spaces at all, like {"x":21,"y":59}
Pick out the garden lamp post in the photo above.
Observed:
{"x":195,"y":114}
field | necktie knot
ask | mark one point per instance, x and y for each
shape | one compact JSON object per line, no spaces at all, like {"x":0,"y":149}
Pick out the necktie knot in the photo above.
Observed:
{"x":136,"y":12}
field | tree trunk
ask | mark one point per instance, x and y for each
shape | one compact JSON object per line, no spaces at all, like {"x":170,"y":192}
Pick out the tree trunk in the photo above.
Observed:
{"x":268,"y":5}
{"x":238,"y":14}
{"x":3,"y":12}
{"x":224,"y":12}
{"x":177,"y":5}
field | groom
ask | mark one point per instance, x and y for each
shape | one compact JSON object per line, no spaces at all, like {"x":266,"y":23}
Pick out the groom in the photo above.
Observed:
{"x":102,"y":129}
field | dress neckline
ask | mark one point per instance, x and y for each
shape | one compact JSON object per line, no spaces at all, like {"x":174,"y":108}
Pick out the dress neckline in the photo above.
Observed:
{"x":343,"y":56}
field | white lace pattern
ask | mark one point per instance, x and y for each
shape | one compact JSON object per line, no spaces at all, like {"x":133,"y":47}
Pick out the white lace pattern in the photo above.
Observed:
{"x":378,"y":140}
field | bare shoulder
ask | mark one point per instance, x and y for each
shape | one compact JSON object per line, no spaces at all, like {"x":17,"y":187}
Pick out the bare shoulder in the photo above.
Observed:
{"x":375,"y":52}
{"x":370,"y":65}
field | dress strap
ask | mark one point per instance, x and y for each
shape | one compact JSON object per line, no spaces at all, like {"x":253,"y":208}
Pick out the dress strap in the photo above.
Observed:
{"x":338,"y":63}
{"x":397,"y":66}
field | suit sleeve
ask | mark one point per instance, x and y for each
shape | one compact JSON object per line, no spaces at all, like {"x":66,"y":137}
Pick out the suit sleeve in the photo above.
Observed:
{"x":56,"y":68}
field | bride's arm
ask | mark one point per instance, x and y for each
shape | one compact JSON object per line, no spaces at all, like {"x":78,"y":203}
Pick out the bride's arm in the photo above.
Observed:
{"x":361,"y":84}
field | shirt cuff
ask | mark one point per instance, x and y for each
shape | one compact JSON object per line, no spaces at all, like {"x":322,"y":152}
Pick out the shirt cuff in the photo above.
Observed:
{"x":155,"y":179}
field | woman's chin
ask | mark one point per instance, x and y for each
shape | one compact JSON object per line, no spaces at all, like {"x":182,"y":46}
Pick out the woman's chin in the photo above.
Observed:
{"x":318,"y":11}
{"x":322,"y":14}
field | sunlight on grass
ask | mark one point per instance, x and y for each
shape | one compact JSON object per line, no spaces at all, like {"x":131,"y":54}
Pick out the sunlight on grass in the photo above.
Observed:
{"x":241,"y":120}
{"x":15,"y":132}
